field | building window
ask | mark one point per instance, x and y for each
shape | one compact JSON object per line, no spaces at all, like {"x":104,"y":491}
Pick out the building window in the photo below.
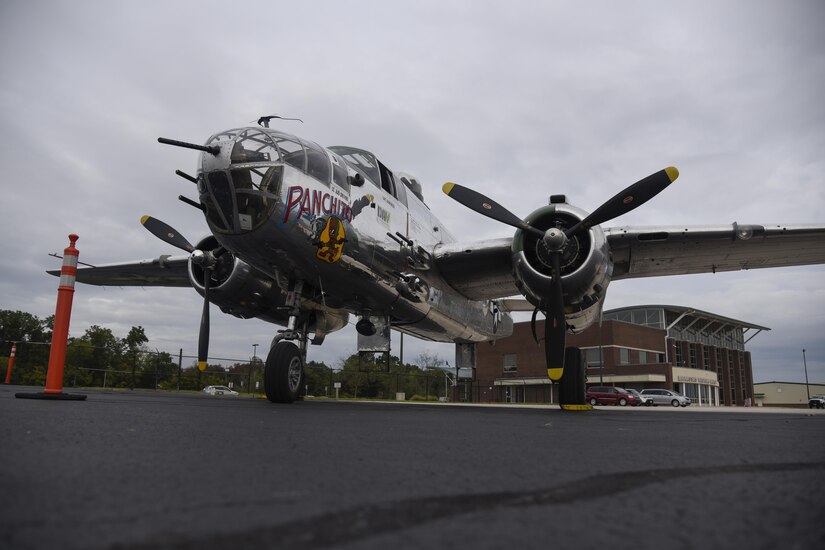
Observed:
{"x":593,"y":357}
{"x":679,"y":362}
{"x":510,"y":363}
{"x":624,"y":356}
{"x":643,"y":358}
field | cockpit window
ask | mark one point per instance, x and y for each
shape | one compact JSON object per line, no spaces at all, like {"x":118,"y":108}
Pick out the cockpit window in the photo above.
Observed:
{"x":318,"y":165}
{"x":256,"y":193}
{"x":339,"y":172}
{"x":253,"y":146}
{"x":292,"y":152}
{"x":219,"y":212}
{"x":255,"y":197}
{"x":387,"y":180}
{"x":266,"y":179}
{"x":363,"y":161}
{"x":224,"y":136}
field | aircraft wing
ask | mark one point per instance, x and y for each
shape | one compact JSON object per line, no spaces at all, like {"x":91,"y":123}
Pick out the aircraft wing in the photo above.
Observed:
{"x":480,"y":270}
{"x":161,"y":271}
{"x":483,"y":270}
{"x":676,"y":250}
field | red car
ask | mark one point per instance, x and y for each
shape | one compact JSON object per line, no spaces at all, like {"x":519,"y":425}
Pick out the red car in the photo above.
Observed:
{"x":611,"y":395}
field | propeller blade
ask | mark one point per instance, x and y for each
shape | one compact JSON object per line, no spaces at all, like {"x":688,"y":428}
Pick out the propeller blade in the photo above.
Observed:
{"x":555,"y":326}
{"x":203,"y":335}
{"x":166,"y":233}
{"x":625,"y":201}
{"x":533,"y":325}
{"x":486,"y":207}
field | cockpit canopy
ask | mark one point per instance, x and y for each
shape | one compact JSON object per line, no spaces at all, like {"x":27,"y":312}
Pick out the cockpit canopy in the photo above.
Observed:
{"x":262,"y":145}
{"x":373,"y":169}
{"x":243,"y":196}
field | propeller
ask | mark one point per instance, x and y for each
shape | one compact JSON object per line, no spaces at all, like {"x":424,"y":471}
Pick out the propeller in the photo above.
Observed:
{"x":206,"y":259}
{"x":554,"y":241}
{"x":166,"y":233}
{"x":629,"y":199}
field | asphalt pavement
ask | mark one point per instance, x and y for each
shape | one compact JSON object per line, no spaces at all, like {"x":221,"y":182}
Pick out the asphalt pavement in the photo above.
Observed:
{"x":133,"y":470}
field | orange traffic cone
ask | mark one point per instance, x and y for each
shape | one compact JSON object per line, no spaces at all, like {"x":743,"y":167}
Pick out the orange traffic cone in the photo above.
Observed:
{"x":60,"y":335}
{"x":11,"y":362}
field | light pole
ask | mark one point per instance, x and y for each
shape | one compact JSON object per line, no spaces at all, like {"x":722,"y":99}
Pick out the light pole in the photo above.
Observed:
{"x":805,"y":363}
{"x":252,"y":365}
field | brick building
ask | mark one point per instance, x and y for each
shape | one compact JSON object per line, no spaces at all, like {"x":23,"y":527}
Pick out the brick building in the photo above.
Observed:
{"x":699,"y":354}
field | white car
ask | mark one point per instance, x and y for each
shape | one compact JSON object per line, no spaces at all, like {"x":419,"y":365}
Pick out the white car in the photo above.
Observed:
{"x":219,"y":390}
{"x":666,"y":397}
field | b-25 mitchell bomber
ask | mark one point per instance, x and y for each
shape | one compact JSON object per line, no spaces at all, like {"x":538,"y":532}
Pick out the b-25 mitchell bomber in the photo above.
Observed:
{"x":305,"y":236}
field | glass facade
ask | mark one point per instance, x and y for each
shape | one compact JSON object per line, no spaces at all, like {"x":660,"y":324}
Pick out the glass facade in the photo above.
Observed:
{"x":696,"y":327}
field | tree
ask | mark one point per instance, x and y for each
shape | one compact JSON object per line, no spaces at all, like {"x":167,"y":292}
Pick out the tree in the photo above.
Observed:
{"x":135,"y":339}
{"x":435,"y":382}
{"x":32,"y":336}
{"x":156,"y":369}
{"x":18,"y":326}
{"x":137,"y":358}
{"x":429,"y":361}
{"x":318,"y":378}
{"x":106,"y":355}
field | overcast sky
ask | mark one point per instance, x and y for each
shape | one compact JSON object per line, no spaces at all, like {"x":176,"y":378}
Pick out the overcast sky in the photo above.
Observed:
{"x":519,"y":100}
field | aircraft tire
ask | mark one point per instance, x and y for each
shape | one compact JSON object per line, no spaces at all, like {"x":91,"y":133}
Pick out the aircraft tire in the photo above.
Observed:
{"x":283,"y":373}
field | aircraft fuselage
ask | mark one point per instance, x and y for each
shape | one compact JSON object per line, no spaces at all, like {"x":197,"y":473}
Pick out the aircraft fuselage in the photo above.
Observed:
{"x":341,"y":228}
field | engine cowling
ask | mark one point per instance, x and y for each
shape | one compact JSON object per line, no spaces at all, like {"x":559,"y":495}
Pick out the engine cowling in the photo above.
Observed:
{"x":243,"y":291}
{"x":585,"y":264}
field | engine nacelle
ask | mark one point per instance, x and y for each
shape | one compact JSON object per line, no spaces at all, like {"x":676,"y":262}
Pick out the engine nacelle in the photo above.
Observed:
{"x":243,"y":291}
{"x":585,"y":265}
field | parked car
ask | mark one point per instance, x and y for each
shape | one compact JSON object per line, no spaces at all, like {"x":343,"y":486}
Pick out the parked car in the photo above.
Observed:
{"x":643,"y":399}
{"x":219,"y":390}
{"x":816,"y":402}
{"x":610,"y":395}
{"x":666,"y":397}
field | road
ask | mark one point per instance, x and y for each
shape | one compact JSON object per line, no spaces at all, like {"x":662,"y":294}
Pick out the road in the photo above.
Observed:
{"x":133,"y":470}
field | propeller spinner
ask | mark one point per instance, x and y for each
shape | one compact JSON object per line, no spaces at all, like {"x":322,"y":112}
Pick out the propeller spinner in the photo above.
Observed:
{"x":554,"y":241}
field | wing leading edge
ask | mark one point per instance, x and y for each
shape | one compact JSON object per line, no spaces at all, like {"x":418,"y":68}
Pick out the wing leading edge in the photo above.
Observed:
{"x":161,"y":271}
{"x":483,"y":270}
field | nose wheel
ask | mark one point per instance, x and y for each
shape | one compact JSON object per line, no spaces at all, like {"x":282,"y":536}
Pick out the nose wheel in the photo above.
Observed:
{"x":284,"y":373}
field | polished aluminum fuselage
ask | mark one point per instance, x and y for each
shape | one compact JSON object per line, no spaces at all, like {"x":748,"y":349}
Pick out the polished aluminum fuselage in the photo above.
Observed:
{"x":348,"y":245}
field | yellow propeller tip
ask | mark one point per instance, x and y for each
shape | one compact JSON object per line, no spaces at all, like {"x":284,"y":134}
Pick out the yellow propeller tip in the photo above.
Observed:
{"x":672,"y":173}
{"x":201,"y":366}
{"x":143,"y":220}
{"x":555,"y":374}
{"x":447,"y":187}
